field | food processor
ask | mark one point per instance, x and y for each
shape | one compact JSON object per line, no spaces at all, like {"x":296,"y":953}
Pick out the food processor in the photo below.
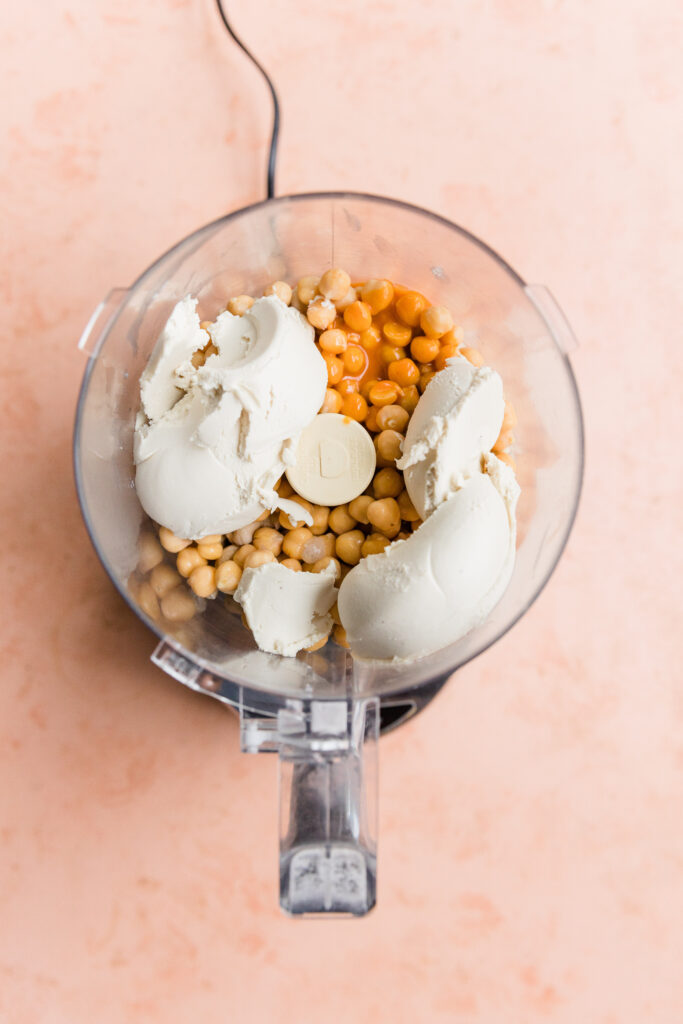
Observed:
{"x":322,"y":712}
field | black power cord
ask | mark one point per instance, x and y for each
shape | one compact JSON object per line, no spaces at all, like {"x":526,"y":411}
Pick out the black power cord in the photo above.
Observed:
{"x":275,"y":133}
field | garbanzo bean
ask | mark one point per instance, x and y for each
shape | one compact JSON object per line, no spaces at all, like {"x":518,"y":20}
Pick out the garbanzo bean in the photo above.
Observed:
{"x":244,"y":535}
{"x":227,"y":553}
{"x":294,"y":541}
{"x":340,"y":520}
{"x":378,"y":294}
{"x":242,"y":554}
{"x":507,"y":459}
{"x":335,"y":368}
{"x":436,"y":320}
{"x":291,"y":563}
{"x":346,"y":301}
{"x":332,"y":402}
{"x":358,"y":316}
{"x":197,"y":359}
{"x":150,"y":551}
{"x":371,"y":418}
{"x":473,"y":356}
{"x":374,"y":544}
{"x":410,"y":306}
{"x":424,"y":349}
{"x":210,"y":350}
{"x":371,"y":338}
{"x":329,"y":540}
{"x":445,"y":352}
{"x":148,"y":600}
{"x":505,"y":439}
{"x":384,"y":392}
{"x":385,"y":516}
{"x":333,"y":340}
{"x":388,"y":445}
{"x":391,"y":353}
{"x":348,"y":386}
{"x":178,"y":605}
{"x":257,"y":558}
{"x":281,"y":289}
{"x":339,"y":634}
{"x":396,"y":333}
{"x":284,"y":488}
{"x":321,"y":313}
{"x":188,"y":560}
{"x":228,"y":576}
{"x":348,"y":546}
{"x":171,"y":542}
{"x":355,"y":407}
{"x":409,"y":399}
{"x":409,"y":514}
{"x":210,"y":551}
{"x":334,"y":284}
{"x":268,"y":539}
{"x":240,"y":304}
{"x":358,"y":508}
{"x":323,"y":563}
{"x":203,"y":580}
{"x":163,"y":578}
{"x":388,"y":483}
{"x":425,"y":379}
{"x":354,"y":360}
{"x":313,"y":550}
{"x":392,"y":417}
{"x":306,"y":288}
{"x":317,"y":646}
{"x":404,"y":372}
{"x":288,"y":522}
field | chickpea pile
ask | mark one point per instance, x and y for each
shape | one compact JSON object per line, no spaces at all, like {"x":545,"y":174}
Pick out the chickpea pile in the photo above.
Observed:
{"x":382,"y":344}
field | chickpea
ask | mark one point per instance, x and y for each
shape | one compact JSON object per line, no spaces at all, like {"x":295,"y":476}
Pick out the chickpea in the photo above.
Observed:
{"x":409,"y":399}
{"x":410,"y":306}
{"x":388,"y":483}
{"x":371,"y":418}
{"x":210,"y":551}
{"x":358,"y":508}
{"x":424,"y":349}
{"x":346,"y":301}
{"x":340,"y":520}
{"x":348,"y":386}
{"x":374,"y":544}
{"x":396,"y":333}
{"x":473,"y":356}
{"x":307,"y":288}
{"x":178,"y":605}
{"x":409,"y":513}
{"x":378,"y":294}
{"x":321,"y":313}
{"x":291,"y":563}
{"x":355,"y":407}
{"x":188,"y":560}
{"x":150,"y":551}
{"x":257,"y":558}
{"x":358,"y":316}
{"x":228,"y":551}
{"x":294,"y":541}
{"x":334,"y":284}
{"x":323,"y":563}
{"x":281,"y":289}
{"x":404,"y":372}
{"x":197,"y":359}
{"x":371,"y":338}
{"x":240,"y":304}
{"x":171,"y":542}
{"x":317,"y":646}
{"x":391,"y":353}
{"x":148,"y":600}
{"x":355,"y":360}
{"x":333,"y":340}
{"x":348,"y":546}
{"x":454,"y":337}
{"x":505,"y":439}
{"x":284,"y":488}
{"x":203,"y":580}
{"x":244,"y":535}
{"x":339,"y":634}
{"x":435,"y":321}
{"x":242,"y":554}
{"x":392,"y":417}
{"x":445,"y":352}
{"x":164,"y":578}
{"x":268,"y":539}
{"x":402,"y":535}
{"x":509,"y":417}
{"x":335,"y":368}
{"x":286,"y":521}
{"x":425,"y":379}
{"x":330,"y":541}
{"x":385,"y":516}
{"x":313,"y":550}
{"x":332,"y":402}
{"x":507,"y":459}
{"x":228,"y":576}
{"x":388,"y":445}
{"x":384,"y":392}
{"x":416,"y":525}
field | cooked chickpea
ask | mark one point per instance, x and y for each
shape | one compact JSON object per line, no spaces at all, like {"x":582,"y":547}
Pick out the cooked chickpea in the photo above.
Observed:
{"x":288,"y":522}
{"x":473,"y":356}
{"x":509,"y":417}
{"x":507,"y":459}
{"x":340,"y":520}
{"x":197,"y":359}
{"x":335,"y":368}
{"x":329,"y":540}
{"x":178,"y":605}
{"x":257,"y":558}
{"x":358,"y":316}
{"x":339,"y":634}
{"x":148,"y":600}
{"x":425,"y":379}
{"x":348,"y":546}
{"x":164,"y":578}
{"x":346,"y":301}
{"x":228,"y":576}
{"x":505,"y":439}
{"x":281,"y":289}
{"x":410,"y":306}
{"x":435,"y":321}
{"x":317,"y":646}
{"x":150,"y":551}
{"x":295,"y":540}
{"x":388,"y":483}
{"x":348,"y":386}
{"x":366,"y":384}
{"x":355,"y":407}
{"x":396,"y":333}
{"x":334,"y":284}
{"x":374,"y":544}
{"x":384,"y":392}
{"x":227,"y":553}
{"x":291,"y":563}
{"x":391,"y":353}
{"x":307,"y":288}
{"x":416,"y":525}
{"x":358,"y":508}
{"x":402,"y":535}
{"x":445,"y":352}
{"x":404,"y":372}
{"x":210,"y":551}
{"x":424,"y":349}
{"x":371,"y":418}
{"x":392,"y":417}
{"x":242,"y":554}
{"x":388,"y":445}
{"x":240,"y":304}
{"x":332,"y":402}
{"x":188,"y":560}
{"x":284,"y":488}
{"x":409,"y":399}
{"x":323,"y":563}
{"x":333,"y":340}
{"x":378,"y":294}
{"x":313,"y":550}
{"x":321,"y":313}
{"x":384,"y":514}
{"x":371,"y":338}
{"x":409,"y":513}
{"x":454,"y":337}
{"x":355,"y":360}
{"x":203,"y":580}
{"x":171,"y":542}
{"x":268,"y":539}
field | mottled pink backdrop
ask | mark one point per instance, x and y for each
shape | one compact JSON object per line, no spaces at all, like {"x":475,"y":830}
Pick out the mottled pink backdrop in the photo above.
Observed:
{"x":531,"y":828}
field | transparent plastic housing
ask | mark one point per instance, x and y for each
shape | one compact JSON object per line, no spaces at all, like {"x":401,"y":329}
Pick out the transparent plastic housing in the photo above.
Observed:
{"x":518,"y":328}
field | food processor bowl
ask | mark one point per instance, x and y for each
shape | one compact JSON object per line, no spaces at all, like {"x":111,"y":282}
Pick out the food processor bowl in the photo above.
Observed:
{"x":322,"y":712}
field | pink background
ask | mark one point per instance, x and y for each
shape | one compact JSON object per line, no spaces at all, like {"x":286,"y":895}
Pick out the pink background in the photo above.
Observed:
{"x":531,"y":861}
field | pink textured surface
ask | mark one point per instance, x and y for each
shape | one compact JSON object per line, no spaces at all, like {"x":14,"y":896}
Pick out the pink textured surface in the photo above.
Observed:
{"x":531,"y":836}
